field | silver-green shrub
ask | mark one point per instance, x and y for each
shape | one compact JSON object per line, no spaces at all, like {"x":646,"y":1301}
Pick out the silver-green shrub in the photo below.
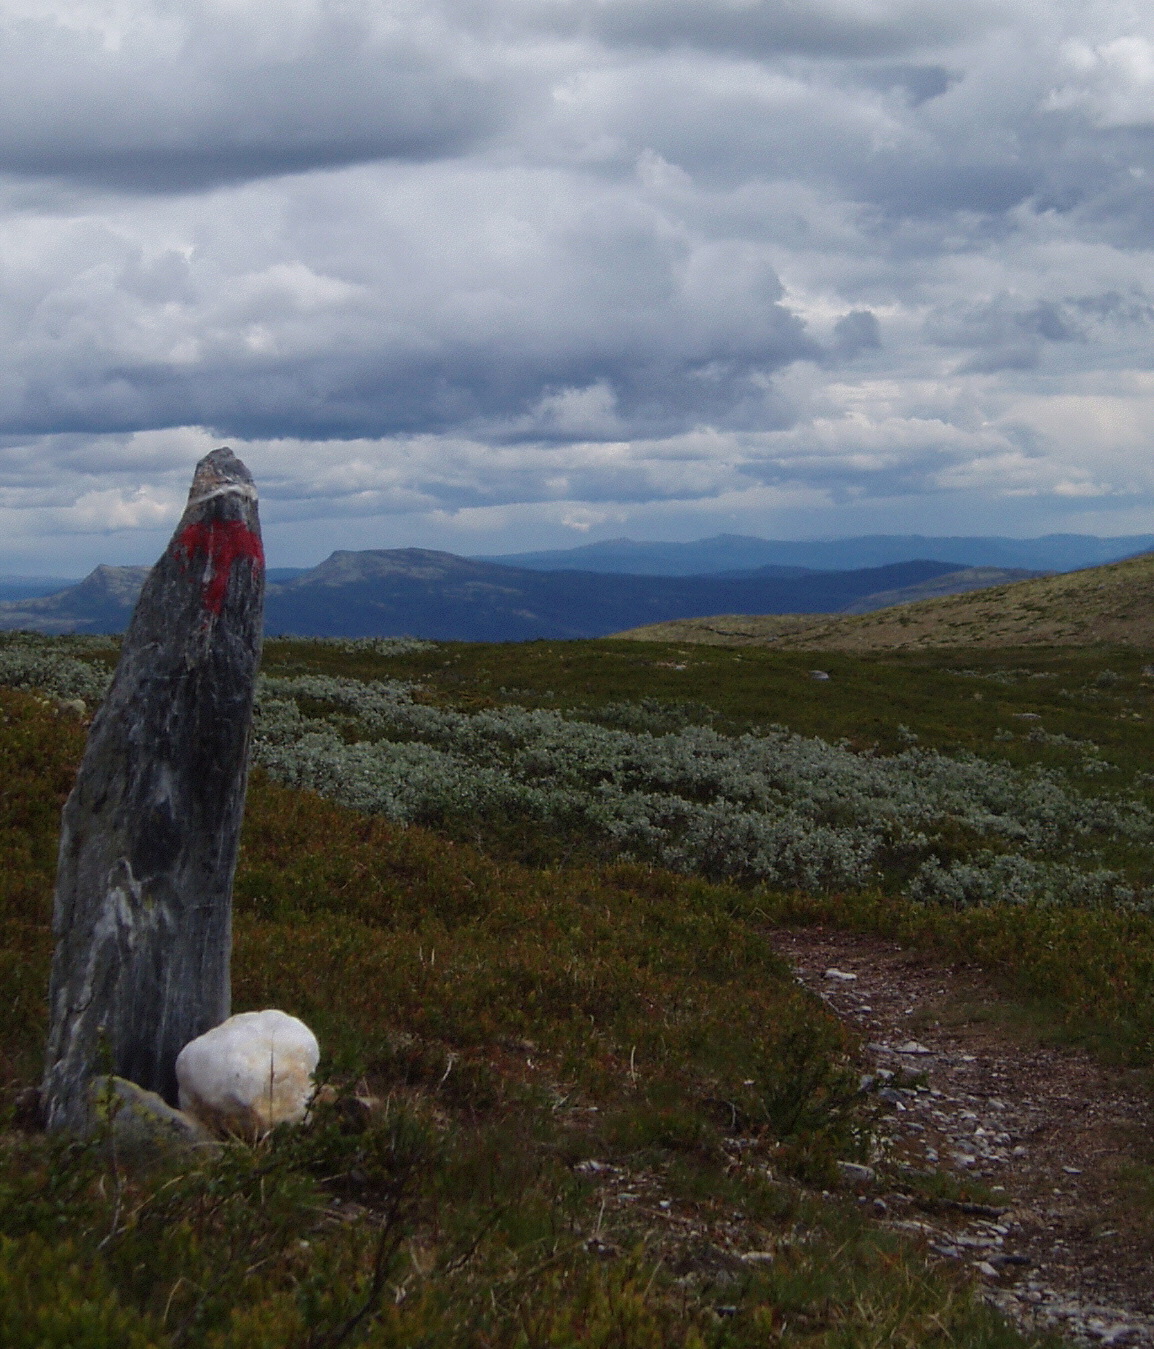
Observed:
{"x":774,"y":806}
{"x":29,"y":663}
{"x":987,"y":878}
{"x":786,"y":809}
{"x":369,"y":646}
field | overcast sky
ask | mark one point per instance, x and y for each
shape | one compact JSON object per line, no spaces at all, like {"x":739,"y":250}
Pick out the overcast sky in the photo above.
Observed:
{"x":496,"y":274}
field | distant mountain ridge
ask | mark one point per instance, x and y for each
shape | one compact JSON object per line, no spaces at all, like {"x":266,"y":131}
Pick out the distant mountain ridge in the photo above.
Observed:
{"x":102,"y":602}
{"x":32,"y":587}
{"x":445,"y":597}
{"x":423,"y":593}
{"x":736,"y":554}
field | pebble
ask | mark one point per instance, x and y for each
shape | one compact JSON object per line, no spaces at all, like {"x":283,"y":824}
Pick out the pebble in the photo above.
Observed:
{"x":1084,"y":1324}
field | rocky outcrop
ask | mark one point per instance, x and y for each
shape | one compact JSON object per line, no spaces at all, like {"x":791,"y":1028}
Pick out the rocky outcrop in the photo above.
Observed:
{"x":141,"y":1127}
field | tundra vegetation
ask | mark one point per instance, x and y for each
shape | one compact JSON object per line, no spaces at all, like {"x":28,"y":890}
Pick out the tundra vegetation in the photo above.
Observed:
{"x":523,"y":895}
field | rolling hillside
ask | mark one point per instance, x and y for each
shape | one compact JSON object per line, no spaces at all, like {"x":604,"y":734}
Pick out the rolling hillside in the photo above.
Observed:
{"x":448,"y":598}
{"x":1111,"y":605}
{"x":102,"y":602}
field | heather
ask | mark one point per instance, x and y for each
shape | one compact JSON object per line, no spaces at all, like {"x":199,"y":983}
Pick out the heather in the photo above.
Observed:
{"x":526,"y":896}
{"x":521,"y":1033}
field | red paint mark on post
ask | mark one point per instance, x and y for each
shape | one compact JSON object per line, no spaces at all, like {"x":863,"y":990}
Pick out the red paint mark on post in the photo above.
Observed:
{"x":223,"y":542}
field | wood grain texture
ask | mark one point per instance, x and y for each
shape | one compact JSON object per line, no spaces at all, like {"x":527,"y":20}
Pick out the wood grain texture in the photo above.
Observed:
{"x":143,"y":905}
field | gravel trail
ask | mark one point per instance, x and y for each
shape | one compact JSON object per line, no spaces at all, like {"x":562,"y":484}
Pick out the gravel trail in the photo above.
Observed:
{"x":1066,"y":1242}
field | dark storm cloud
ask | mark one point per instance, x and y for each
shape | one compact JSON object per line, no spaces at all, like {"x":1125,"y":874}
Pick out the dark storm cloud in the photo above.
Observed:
{"x":856,"y":332}
{"x":936,"y":187}
{"x":655,"y":388}
{"x":192,"y":167}
{"x":529,"y":307}
{"x":1113,"y":307}
{"x":198,"y":96}
{"x":1005,"y":334}
{"x":766,"y":28}
{"x":917,"y":83}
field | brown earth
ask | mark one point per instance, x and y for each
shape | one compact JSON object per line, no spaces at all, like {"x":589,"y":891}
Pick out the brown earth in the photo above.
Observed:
{"x":1111,"y":605}
{"x":1062,"y":1142}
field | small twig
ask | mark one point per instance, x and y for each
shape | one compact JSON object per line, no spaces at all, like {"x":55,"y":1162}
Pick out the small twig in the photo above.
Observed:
{"x":448,"y":1070}
{"x":656,"y":1271}
{"x":460,"y":1261}
{"x":118,"y":1181}
{"x":387,"y":1242}
{"x":271,"y":1073}
{"x":171,"y":1294}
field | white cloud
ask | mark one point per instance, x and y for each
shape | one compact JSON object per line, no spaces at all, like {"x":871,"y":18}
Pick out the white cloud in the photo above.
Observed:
{"x":549,"y":267}
{"x":145,"y":95}
{"x":1113,"y":82}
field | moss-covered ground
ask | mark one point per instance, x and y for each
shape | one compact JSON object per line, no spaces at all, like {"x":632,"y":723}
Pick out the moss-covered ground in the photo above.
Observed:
{"x":569,"y":1101}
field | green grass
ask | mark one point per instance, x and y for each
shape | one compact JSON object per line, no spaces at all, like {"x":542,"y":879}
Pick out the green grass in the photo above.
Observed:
{"x":540,"y":1037}
{"x":1090,"y":972}
{"x":39,"y":750}
{"x":868,"y":700}
{"x":951,"y":699}
{"x":537,"y":1044}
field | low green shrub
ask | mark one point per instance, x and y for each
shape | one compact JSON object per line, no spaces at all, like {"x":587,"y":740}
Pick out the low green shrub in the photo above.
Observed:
{"x":548,"y":1051}
{"x":522,"y":1034}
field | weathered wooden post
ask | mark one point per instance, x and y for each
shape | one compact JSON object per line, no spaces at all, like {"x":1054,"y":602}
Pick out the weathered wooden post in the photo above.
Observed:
{"x":143,"y":910}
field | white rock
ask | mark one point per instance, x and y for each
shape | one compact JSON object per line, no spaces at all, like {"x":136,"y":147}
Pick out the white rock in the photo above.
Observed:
{"x":250,"y":1073}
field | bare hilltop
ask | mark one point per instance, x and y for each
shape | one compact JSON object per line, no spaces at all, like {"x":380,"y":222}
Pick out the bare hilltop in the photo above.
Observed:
{"x":1112,"y":605}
